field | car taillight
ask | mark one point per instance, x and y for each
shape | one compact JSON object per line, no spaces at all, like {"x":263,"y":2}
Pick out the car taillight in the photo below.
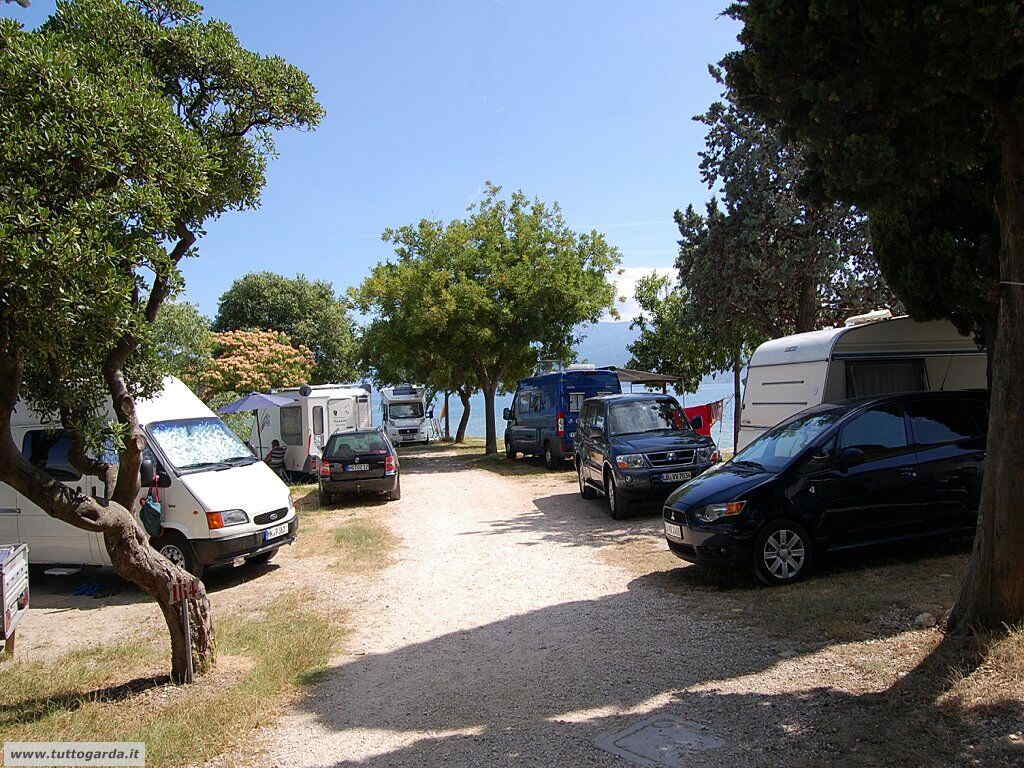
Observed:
{"x":325,"y":469}
{"x":561,"y":424}
{"x":389,"y":465}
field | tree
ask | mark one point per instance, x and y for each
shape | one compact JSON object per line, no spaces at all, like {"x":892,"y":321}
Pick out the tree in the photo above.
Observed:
{"x":253,"y":361}
{"x":126,"y":126}
{"x":183,"y":342}
{"x":915,"y":111}
{"x":507,"y":285}
{"x":307,"y":311}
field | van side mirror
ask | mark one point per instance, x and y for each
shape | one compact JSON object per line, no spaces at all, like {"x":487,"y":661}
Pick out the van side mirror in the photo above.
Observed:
{"x":507,"y":414}
{"x":147,"y":474}
{"x":850,"y":457}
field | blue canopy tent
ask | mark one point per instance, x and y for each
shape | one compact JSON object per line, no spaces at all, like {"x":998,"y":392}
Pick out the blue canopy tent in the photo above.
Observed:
{"x":256,"y":401}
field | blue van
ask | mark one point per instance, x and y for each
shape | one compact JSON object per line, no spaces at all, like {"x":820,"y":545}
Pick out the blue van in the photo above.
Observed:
{"x":542,"y":419}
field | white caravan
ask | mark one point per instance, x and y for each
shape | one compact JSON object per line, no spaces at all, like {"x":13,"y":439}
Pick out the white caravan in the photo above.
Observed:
{"x":319,"y":411}
{"x":221,"y":505}
{"x":872,"y":354}
{"x":405,"y":414}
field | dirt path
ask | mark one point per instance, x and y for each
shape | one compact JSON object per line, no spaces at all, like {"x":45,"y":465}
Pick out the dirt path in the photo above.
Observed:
{"x":514,"y":630}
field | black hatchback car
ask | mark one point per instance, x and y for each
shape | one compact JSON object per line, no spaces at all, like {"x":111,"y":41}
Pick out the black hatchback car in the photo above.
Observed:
{"x":635,"y":446}
{"x":356,"y":462}
{"x":836,"y":476}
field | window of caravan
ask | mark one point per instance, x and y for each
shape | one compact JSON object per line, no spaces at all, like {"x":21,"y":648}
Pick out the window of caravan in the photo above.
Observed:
{"x":49,"y":449}
{"x":406,"y":410}
{"x":197,"y":443}
{"x":865,"y":378}
{"x":291,"y":425}
{"x":318,"y":419}
{"x":576,"y":401}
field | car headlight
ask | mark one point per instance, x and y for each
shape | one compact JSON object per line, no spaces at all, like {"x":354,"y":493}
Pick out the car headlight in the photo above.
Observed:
{"x":631,"y":461}
{"x":227,"y":517}
{"x":713,"y":512}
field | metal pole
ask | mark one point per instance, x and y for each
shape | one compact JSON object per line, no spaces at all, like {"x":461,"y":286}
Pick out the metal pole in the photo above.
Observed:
{"x":185,"y":619}
{"x":259,"y":433}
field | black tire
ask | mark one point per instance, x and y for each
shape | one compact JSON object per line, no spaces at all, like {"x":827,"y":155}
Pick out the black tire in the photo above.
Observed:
{"x":550,"y":460}
{"x":783,"y":553}
{"x":586,"y":491}
{"x":618,"y":504}
{"x":510,"y":452}
{"x":396,"y":494}
{"x":176,"y":548}
{"x":264,"y":557}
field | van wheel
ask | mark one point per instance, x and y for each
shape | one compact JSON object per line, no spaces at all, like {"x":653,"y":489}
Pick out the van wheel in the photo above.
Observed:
{"x":176,"y":548}
{"x":510,"y":451}
{"x":618,"y":504}
{"x":783,"y":553}
{"x":585,"y":490}
{"x":396,"y":494}
{"x":550,"y":461}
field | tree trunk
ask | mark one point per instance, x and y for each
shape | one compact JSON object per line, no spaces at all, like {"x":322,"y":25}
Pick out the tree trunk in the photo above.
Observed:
{"x":447,"y":416}
{"x":993,"y":590}
{"x":808,"y":307}
{"x":737,"y":402}
{"x":460,"y":432}
{"x":491,"y":430}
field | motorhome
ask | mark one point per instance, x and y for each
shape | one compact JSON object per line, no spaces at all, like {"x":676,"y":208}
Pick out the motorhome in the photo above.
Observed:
{"x":318,"y":412}
{"x":872,"y":354}
{"x":220,"y":504}
{"x":406,"y":414}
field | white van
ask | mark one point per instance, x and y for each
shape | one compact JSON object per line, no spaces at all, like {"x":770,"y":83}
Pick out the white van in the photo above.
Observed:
{"x":319,"y":411}
{"x":405,"y":414}
{"x":221,"y":505}
{"x":873,"y":354}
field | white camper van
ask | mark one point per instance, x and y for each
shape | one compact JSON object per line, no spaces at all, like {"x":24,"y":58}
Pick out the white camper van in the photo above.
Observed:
{"x":872,"y":354}
{"x":318,"y":412}
{"x":405,"y":414}
{"x":221,"y":505}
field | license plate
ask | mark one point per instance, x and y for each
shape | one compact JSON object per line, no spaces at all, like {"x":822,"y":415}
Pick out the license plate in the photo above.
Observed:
{"x":676,"y":477}
{"x":674,"y":531}
{"x":357,"y":467}
{"x":277,"y":530}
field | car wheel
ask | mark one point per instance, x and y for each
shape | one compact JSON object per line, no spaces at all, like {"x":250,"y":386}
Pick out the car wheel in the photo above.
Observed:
{"x":618,"y":505}
{"x":550,"y":461}
{"x":176,"y":548}
{"x":326,"y":499}
{"x":396,"y":494}
{"x":783,"y":552}
{"x":264,"y":557}
{"x":510,"y":452}
{"x":585,"y":490}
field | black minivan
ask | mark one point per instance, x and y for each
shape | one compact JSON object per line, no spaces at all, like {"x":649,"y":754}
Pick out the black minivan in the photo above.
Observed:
{"x":836,"y":476}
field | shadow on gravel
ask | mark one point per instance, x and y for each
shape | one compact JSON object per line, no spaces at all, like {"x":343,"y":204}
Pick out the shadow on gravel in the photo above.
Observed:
{"x":536,"y":689}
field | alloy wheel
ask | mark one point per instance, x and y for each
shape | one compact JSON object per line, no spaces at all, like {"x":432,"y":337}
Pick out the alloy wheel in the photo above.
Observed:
{"x":173,"y":553}
{"x":784,"y":554}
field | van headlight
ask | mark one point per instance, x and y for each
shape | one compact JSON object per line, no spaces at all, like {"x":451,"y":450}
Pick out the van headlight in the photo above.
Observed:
{"x":226,"y":518}
{"x":713,"y":512}
{"x":631,"y":461}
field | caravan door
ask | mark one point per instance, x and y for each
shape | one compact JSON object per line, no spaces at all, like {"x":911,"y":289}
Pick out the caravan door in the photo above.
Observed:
{"x":341,"y":415}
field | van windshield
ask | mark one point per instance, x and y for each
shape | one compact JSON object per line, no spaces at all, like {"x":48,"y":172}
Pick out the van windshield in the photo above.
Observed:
{"x":774,"y":449}
{"x":405,"y":410}
{"x":203,"y":443}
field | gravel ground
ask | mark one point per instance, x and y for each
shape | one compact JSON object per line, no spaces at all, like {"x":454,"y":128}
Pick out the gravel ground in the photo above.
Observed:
{"x":501,"y":636}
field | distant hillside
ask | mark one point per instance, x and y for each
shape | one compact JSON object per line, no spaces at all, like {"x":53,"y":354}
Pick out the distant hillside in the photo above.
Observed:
{"x":605,"y":344}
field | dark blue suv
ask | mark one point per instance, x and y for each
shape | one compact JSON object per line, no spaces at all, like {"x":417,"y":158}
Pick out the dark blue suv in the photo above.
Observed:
{"x":635,"y":446}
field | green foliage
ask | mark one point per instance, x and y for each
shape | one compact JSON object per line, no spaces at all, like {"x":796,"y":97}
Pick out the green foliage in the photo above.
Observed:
{"x":184,"y":342}
{"x":479,"y":300}
{"x":308,"y":312}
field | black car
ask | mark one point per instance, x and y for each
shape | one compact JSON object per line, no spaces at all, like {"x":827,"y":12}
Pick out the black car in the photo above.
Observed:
{"x":637,"y":446}
{"x":354,"y":462}
{"x":837,"y":476}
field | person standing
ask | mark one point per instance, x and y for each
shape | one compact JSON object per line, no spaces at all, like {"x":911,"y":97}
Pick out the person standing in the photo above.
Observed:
{"x":275,"y":459}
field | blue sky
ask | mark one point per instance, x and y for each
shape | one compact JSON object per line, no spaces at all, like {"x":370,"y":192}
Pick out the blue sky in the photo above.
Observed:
{"x":588,"y":104}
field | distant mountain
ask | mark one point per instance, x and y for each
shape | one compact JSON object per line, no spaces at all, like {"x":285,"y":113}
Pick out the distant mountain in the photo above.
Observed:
{"x":605,"y":344}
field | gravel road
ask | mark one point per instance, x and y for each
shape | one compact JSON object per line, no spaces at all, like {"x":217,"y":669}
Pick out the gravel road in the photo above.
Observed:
{"x":502,"y":636}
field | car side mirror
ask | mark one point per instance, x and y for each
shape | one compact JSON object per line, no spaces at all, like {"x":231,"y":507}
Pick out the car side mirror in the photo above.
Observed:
{"x":507,"y":414}
{"x":696,"y":423}
{"x":850,"y":457}
{"x":147,"y":474}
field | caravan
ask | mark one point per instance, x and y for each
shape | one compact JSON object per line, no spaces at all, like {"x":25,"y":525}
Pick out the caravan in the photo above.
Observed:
{"x":406,"y":414}
{"x":873,"y":354}
{"x":221,"y":505}
{"x":318,"y":412}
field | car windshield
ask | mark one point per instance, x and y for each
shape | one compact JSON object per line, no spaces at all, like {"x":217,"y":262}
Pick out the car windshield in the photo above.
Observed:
{"x":406,"y":410}
{"x":774,"y":449}
{"x":646,"y":416}
{"x":199,"y":443}
{"x":344,"y":446}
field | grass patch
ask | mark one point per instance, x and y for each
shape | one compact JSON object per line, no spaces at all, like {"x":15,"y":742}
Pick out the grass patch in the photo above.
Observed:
{"x":361,"y":544}
{"x":119,"y":693}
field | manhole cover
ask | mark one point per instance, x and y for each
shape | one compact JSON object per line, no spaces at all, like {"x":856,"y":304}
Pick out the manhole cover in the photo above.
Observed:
{"x":658,"y":741}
